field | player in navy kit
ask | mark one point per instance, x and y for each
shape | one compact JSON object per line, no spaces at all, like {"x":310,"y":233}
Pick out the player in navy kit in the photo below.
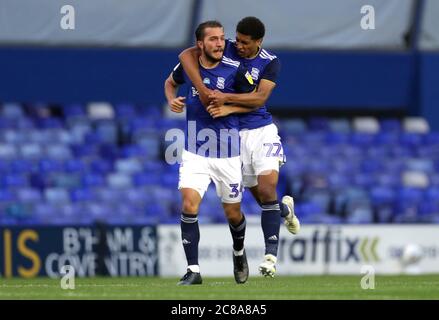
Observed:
{"x":216,"y":156}
{"x":261,"y":148}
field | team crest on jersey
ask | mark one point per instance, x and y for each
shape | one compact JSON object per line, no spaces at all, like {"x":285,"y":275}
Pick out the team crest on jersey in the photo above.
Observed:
{"x":255,"y":73}
{"x":249,"y":77}
{"x":220,"y":82}
{"x":206,"y":81}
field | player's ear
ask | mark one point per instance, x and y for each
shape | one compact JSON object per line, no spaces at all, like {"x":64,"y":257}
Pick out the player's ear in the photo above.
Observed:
{"x":259,"y":42}
{"x":200,"y":45}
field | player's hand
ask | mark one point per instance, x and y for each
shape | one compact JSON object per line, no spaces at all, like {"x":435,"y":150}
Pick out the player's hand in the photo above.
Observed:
{"x":177,"y":105}
{"x":217,"y":98}
{"x":218,"y":111}
{"x":204,"y":96}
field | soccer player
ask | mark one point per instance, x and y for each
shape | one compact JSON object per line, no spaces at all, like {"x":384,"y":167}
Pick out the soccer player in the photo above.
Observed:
{"x":220,"y":161}
{"x":261,"y":148}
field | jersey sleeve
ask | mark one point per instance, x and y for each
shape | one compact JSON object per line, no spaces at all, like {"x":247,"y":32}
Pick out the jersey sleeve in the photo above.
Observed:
{"x":243,"y":81}
{"x":272,"y":70}
{"x":177,"y":74}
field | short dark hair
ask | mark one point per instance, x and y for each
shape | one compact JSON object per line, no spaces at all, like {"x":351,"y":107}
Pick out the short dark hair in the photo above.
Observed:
{"x":251,"y":26}
{"x":199,"y":32}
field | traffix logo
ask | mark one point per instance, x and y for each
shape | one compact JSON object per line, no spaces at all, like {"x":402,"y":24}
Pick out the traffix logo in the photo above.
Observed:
{"x":329,"y":245}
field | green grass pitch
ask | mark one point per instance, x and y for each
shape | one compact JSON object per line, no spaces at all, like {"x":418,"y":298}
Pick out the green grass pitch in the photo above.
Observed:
{"x":257,"y":288}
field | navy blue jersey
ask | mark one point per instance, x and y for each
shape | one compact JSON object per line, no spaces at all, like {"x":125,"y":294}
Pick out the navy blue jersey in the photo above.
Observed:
{"x":202,"y":131}
{"x":264,"y":66}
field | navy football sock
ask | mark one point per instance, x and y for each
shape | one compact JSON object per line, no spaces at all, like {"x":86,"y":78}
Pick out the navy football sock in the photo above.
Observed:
{"x":270,"y":221}
{"x":190,"y":236}
{"x":238,"y":234}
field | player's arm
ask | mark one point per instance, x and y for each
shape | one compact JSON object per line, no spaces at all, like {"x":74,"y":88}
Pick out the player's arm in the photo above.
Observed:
{"x":254,"y":99}
{"x":189,"y":60}
{"x":225,"y":110}
{"x":243,"y":84}
{"x":175,"y":103}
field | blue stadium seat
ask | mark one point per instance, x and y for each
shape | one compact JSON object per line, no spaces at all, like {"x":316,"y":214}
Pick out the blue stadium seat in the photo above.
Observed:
{"x":390,"y":180}
{"x":107,"y":195}
{"x":75,"y":166}
{"x":125,"y":111}
{"x":56,"y":196}
{"x":65,"y":180}
{"x":44,"y":209}
{"x":107,"y":131}
{"x":29,"y":195}
{"x":416,"y":164}
{"x":128,"y":166}
{"x":85,"y":150}
{"x":318,"y":124}
{"x":432,"y":194}
{"x":386,"y":139}
{"x":308,"y":212}
{"x":293,"y":126}
{"x":101,"y":166}
{"x":411,"y":139}
{"x":410,"y":195}
{"x":50,"y":123}
{"x":93,"y":180}
{"x":109,"y":151}
{"x":31,"y":151}
{"x":136,"y":196}
{"x":4,"y":167}
{"x":82,"y":195}
{"x":21,"y":166}
{"x":7,"y":151}
{"x":313,"y":139}
{"x":382,"y":195}
{"x":322,"y":197}
{"x":119,"y":181}
{"x":340,"y":125}
{"x":14,"y":181}
{"x":11,"y":111}
{"x":131,"y":151}
{"x":12,"y":136}
{"x":146,"y":179}
{"x":336,"y":138}
{"x":97,"y":211}
{"x":7,"y":196}
{"x":362,"y":140}
{"x":432,"y":138}
{"x":58,"y":152}
{"x":47,"y":166}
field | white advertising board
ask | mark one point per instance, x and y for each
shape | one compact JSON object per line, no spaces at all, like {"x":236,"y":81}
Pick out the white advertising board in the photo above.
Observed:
{"x":318,"y":249}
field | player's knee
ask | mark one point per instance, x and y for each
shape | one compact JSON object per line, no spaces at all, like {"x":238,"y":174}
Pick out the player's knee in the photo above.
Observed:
{"x":267,"y":193}
{"x":233,"y":214}
{"x":190,"y":206}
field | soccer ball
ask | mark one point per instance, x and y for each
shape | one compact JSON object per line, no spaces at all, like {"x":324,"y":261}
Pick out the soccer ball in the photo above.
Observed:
{"x":412,"y":253}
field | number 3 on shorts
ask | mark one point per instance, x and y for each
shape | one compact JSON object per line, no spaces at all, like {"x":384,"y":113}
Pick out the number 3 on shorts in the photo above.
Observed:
{"x":235,"y":190}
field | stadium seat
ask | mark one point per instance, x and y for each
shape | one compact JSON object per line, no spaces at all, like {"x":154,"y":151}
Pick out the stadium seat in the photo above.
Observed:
{"x":293,"y":126}
{"x":56,"y":196}
{"x":128,"y":166}
{"x":82,"y":195}
{"x":366,"y":125}
{"x":29,"y":195}
{"x":11,"y":111}
{"x":93,"y":180}
{"x":58,"y":152}
{"x":119,"y":181}
{"x":340,"y":126}
{"x":7,"y":151}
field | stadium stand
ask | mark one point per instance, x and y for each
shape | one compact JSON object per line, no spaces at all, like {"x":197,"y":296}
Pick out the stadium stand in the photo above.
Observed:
{"x":105,"y":163}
